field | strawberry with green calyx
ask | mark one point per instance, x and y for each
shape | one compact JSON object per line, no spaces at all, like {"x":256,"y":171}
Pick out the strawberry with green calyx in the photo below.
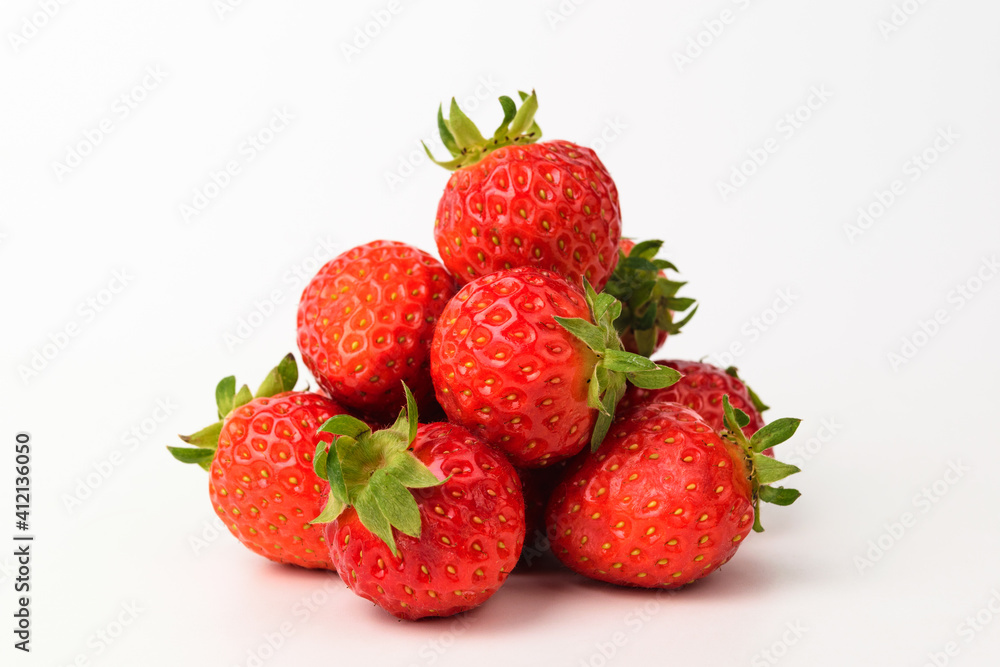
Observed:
{"x":518,"y":360}
{"x":259,"y":456}
{"x":423,"y":520}
{"x":763,"y":469}
{"x":758,"y":404}
{"x":511,"y":202}
{"x":649,"y":298}
{"x":615,"y":366}
{"x":665,"y":500}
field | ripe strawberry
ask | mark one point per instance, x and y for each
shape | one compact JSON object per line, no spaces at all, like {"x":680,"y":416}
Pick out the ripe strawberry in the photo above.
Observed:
{"x":702,"y":390}
{"x":425,"y":520}
{"x":365,"y":322}
{"x":511,"y":202}
{"x":259,"y":456}
{"x":517,"y":359}
{"x":665,"y":500}
{"x":649,"y":299}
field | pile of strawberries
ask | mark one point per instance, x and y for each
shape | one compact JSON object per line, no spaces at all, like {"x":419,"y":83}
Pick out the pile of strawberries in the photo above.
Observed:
{"x":503,"y":392}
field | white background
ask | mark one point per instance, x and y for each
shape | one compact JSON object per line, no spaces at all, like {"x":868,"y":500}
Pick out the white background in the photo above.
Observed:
{"x":608,"y":75}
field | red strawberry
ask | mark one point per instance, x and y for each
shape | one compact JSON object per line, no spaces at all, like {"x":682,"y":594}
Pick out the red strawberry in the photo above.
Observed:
{"x":665,"y":500}
{"x":648,"y":297}
{"x":260,"y":455}
{"x":701,"y":390}
{"x":514,"y":203}
{"x":402,"y":538}
{"x":365,"y":323}
{"x":517,"y":359}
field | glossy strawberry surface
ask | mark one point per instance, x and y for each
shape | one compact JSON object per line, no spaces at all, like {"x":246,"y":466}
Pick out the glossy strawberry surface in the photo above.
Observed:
{"x":550,"y":205}
{"x":663,"y":502}
{"x":507,"y":371}
{"x":365,"y":323}
{"x":701,"y":389}
{"x":262,"y":482}
{"x":472,"y":531}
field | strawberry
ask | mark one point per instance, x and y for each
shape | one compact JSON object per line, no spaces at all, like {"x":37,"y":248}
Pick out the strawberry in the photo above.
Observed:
{"x":424,"y":520}
{"x":518,"y":360}
{"x":259,"y":456}
{"x":665,"y":500}
{"x":649,"y":299}
{"x":702,"y":390}
{"x":365,"y":322}
{"x":511,"y":202}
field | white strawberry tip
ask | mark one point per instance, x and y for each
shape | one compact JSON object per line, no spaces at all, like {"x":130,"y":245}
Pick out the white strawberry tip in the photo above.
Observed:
{"x":614,"y":365}
{"x":762,"y":470}
{"x":374,"y":472}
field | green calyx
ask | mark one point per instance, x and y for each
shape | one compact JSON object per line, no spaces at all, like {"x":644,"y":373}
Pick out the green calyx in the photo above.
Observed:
{"x":614,"y":365}
{"x":204,"y":443}
{"x":468,"y":146}
{"x":763,"y":470}
{"x":649,"y":300}
{"x":373,"y":472}
{"x":754,"y":398}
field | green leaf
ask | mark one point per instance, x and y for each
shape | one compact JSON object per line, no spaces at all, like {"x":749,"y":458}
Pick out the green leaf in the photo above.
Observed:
{"x":412,"y":415}
{"x":335,"y":475}
{"x":331,"y":511}
{"x":196,"y":455}
{"x":396,"y":502}
{"x":769,"y":470}
{"x":735,"y":419}
{"x":509,"y":111}
{"x":243,"y":396}
{"x":411,"y":472}
{"x":206,"y":438}
{"x":465,"y":131}
{"x":778,"y":495}
{"x":774,"y":433}
{"x":282,"y":378}
{"x":446,"y":136}
{"x":225,"y":391}
{"x":646,"y":249}
{"x":659,"y":378}
{"x":319,"y":459}
{"x":594,"y":391}
{"x":347,"y":425}
{"x":626,"y":362}
{"x":525,"y":116}
{"x":373,"y":518}
{"x":591,"y":335}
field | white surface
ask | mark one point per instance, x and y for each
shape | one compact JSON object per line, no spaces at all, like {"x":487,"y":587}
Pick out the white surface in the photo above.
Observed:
{"x":322,"y":179}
